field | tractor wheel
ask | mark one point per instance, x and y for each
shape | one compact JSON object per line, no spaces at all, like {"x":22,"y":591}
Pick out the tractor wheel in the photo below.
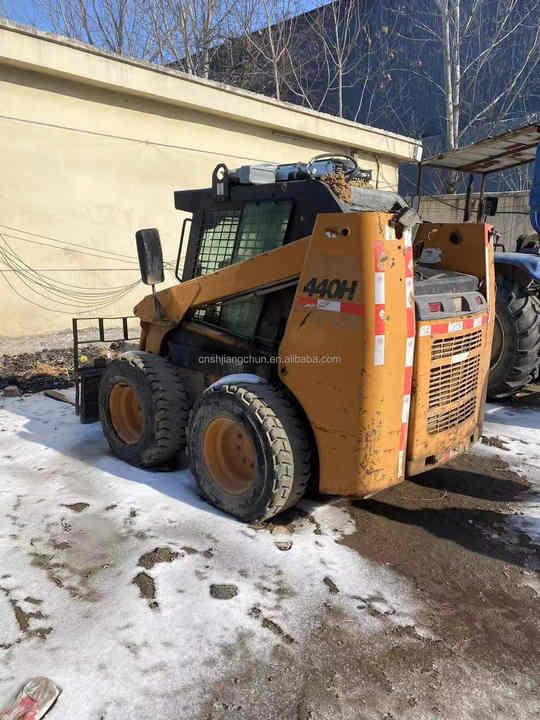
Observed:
{"x":250,"y":449}
{"x":143,"y":409}
{"x":516,"y":340}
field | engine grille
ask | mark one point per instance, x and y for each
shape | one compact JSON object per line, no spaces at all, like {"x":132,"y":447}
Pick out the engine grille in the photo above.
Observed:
{"x":449,"y":346}
{"x":450,"y":418}
{"x":449,"y":383}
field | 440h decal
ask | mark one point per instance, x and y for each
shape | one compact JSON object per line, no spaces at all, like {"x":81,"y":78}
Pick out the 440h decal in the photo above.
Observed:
{"x":335,"y":295}
{"x":335,"y":289}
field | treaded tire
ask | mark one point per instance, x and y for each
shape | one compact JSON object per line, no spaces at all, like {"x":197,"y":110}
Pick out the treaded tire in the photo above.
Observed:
{"x":282,"y":445}
{"x":519,"y":316}
{"x":163,"y":401}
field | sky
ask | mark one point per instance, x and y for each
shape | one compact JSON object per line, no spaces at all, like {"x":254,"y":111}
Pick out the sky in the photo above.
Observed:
{"x":29,"y":12}
{"x":24,"y":11}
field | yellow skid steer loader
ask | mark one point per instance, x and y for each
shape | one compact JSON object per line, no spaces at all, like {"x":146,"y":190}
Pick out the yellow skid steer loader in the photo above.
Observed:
{"x":307,"y":341}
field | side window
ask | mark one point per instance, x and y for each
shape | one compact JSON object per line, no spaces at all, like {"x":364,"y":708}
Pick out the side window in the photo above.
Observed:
{"x":218,"y":239}
{"x":230,"y":236}
{"x":240,"y":317}
{"x":262,"y":227}
{"x":233,"y":235}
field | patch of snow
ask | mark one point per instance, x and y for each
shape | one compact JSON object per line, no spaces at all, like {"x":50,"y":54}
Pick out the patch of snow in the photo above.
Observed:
{"x":518,"y":429}
{"x":238,"y":378}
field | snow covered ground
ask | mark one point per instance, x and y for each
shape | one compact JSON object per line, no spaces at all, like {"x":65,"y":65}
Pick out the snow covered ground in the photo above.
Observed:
{"x":519,"y":432}
{"x":132,"y":633}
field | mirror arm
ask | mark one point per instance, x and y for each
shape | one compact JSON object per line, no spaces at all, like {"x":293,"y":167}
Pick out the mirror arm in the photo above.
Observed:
{"x":159,"y":313}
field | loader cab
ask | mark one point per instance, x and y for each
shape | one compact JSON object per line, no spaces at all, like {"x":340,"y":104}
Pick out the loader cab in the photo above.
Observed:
{"x":246,"y":220}
{"x":251,"y":211}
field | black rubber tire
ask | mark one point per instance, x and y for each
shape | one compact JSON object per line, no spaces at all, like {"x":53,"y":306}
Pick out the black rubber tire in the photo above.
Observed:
{"x":282,"y":443}
{"x":164,"y":404}
{"x":519,"y":316}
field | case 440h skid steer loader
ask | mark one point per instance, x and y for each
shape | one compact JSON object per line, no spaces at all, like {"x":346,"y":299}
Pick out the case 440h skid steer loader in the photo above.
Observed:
{"x":304,"y":343}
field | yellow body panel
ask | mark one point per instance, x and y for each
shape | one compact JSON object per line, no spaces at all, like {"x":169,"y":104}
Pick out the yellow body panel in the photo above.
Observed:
{"x":452,"y":357}
{"x":354,"y":405}
{"x":349,"y":344}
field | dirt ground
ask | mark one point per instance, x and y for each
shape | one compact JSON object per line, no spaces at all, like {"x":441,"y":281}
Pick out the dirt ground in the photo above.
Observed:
{"x":446,"y":532}
{"x":41,"y":362}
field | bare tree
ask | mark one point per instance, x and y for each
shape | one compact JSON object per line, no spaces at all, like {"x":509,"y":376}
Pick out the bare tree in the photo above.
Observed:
{"x":189,"y":32}
{"x":268,"y":30}
{"x":119,"y":26}
{"x":325,"y":59}
{"x":343,"y":35}
{"x":479,"y":57}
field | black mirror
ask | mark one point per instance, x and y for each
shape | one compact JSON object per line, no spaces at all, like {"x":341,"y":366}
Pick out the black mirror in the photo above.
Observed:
{"x":150,"y":256}
{"x":490,"y":205}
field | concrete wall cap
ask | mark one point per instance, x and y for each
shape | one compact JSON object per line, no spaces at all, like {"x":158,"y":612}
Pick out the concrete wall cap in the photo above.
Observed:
{"x":197,"y":93}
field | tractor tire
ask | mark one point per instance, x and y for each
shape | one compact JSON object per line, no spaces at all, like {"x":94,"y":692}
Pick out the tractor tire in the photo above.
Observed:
{"x":250,"y":449}
{"x":516,"y":340}
{"x":143,"y":409}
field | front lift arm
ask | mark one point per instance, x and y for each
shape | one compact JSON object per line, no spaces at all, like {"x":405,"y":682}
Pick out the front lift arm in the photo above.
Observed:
{"x":271,"y":268}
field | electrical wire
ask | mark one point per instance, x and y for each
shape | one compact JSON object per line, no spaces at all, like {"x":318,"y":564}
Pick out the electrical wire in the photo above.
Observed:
{"x":57,"y":292}
{"x":119,"y":258}
{"x":14,"y":261}
{"x":78,"y":287}
{"x":112,"y":253}
{"x":43,"y":307}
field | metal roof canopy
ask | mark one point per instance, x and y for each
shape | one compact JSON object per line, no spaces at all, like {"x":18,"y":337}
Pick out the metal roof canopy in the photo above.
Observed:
{"x":516,"y":147}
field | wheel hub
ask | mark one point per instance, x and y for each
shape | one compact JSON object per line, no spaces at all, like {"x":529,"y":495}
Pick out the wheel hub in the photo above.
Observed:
{"x":126,"y":413}
{"x":229,"y":454}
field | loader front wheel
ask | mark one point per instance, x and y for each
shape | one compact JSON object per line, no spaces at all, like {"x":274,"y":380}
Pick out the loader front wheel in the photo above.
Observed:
{"x":250,"y":450}
{"x":143,"y":409}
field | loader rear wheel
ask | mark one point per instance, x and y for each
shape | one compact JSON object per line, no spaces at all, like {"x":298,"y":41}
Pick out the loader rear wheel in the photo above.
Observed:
{"x":250,"y":449}
{"x":143,"y":409}
{"x":516,"y":340}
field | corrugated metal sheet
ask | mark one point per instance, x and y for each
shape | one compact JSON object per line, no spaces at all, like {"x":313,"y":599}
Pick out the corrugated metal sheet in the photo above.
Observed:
{"x":516,"y":147}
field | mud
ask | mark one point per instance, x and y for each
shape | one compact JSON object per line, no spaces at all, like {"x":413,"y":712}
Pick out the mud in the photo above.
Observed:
{"x":45,"y":368}
{"x":223,"y":592}
{"x":474,"y":650}
{"x":26,"y":619}
{"x":147,"y":588}
{"x":155,"y":556}
{"x":77,"y":507}
{"x":494,"y":442}
{"x":331,"y":585}
{"x":271,"y":625}
{"x":448,"y":533}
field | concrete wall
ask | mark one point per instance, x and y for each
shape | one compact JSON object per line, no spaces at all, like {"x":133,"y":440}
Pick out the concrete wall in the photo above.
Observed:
{"x":93,"y":147}
{"x":511,"y":220}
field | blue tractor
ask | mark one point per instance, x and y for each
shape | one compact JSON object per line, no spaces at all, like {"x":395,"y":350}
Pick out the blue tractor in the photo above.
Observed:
{"x":515,"y":356}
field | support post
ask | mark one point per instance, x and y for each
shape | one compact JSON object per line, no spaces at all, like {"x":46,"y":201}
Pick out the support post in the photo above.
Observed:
{"x":480,"y":209}
{"x":467,"y":211}
{"x":418,"y":186}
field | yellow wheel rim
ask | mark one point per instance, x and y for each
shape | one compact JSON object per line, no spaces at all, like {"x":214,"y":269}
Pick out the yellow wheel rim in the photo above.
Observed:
{"x":126,"y":413}
{"x":229,"y":455}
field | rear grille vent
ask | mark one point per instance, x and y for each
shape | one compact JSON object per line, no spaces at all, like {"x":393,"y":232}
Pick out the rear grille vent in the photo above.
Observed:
{"x":450,"y":383}
{"x":449,"y":346}
{"x":451,"y":418}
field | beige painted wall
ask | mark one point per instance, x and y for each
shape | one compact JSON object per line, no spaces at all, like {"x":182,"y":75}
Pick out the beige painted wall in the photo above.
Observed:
{"x":87,"y":160}
{"x":511,"y":220}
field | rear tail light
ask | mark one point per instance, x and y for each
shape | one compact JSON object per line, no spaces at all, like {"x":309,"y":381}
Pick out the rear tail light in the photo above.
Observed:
{"x":435,"y":307}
